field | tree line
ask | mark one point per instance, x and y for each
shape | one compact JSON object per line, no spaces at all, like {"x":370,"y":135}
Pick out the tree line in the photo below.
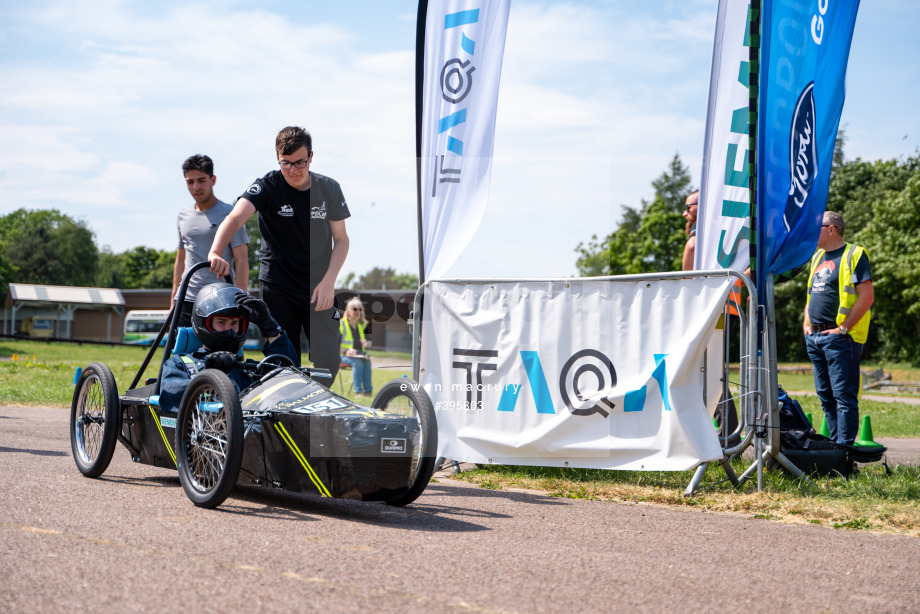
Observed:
{"x":880,"y":203}
{"x":47,"y":247}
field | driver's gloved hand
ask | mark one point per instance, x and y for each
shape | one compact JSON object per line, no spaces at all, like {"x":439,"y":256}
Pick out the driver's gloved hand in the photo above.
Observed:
{"x":223,"y":361}
{"x":257,"y":312}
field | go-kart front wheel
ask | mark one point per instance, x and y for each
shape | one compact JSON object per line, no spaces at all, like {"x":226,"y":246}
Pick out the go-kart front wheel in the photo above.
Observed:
{"x":209,"y":438}
{"x":95,"y":419}
{"x":407,"y":397}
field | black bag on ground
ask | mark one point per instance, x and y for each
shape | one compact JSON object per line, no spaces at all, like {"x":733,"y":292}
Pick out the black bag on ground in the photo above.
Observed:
{"x":812,"y":452}
{"x":726,"y":407}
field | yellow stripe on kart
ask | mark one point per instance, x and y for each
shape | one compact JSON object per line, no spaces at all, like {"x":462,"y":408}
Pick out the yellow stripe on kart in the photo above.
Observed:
{"x":156,"y":420}
{"x":272,"y":389}
{"x":303,"y":461}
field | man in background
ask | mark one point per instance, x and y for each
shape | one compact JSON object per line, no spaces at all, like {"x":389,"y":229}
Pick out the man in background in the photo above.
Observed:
{"x":197,"y":225}
{"x":837,"y":323}
{"x":690,"y":210}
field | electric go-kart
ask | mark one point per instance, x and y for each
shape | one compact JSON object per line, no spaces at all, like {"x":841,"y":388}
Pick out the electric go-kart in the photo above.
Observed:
{"x":284,"y":431}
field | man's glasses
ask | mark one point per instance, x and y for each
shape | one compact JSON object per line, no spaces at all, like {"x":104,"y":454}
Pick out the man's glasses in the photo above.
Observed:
{"x":299,"y":164}
{"x":687,"y":207}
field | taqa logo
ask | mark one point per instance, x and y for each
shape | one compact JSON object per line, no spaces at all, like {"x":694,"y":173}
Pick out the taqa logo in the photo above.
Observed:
{"x":456,"y":80}
{"x":585,"y":374}
{"x":803,"y":163}
{"x":255,"y":189}
{"x":286,"y":211}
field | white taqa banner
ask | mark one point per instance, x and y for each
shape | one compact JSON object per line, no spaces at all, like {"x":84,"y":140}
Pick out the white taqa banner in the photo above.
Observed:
{"x":581,"y":373}
{"x":461,"y":66}
{"x":723,"y":218}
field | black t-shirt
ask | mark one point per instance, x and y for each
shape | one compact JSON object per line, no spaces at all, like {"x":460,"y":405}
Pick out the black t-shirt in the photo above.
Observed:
{"x":296,"y":238}
{"x":825,"y":286}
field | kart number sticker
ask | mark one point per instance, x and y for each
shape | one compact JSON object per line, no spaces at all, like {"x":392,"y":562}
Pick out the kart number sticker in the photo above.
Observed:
{"x":330,"y":403}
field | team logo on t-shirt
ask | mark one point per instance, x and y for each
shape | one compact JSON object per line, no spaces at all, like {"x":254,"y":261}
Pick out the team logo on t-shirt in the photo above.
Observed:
{"x":255,"y":189}
{"x":286,"y":211}
{"x":822,"y":275}
{"x":319,"y":213}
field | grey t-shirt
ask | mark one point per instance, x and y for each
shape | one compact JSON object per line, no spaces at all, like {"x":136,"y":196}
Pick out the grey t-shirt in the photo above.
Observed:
{"x":196,"y":234}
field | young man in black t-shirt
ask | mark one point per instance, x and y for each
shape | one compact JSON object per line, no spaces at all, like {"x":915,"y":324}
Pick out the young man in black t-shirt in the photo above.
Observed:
{"x":304,"y":244}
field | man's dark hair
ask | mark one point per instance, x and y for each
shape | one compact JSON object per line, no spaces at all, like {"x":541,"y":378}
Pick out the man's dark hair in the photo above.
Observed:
{"x":291,"y":139}
{"x":199,"y":162}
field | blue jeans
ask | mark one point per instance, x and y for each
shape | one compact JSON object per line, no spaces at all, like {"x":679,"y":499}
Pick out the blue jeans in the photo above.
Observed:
{"x":360,"y":374}
{"x":836,"y":362}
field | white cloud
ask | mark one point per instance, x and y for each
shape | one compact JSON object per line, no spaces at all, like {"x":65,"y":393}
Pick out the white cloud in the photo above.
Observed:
{"x":102,"y":100}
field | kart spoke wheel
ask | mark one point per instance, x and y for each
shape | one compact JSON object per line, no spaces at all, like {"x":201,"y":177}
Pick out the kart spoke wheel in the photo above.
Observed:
{"x":209,"y":438}
{"x":406,"y":397}
{"x":95,"y":417}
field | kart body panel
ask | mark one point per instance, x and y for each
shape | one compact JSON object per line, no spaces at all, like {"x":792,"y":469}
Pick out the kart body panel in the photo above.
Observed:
{"x":299,"y":436}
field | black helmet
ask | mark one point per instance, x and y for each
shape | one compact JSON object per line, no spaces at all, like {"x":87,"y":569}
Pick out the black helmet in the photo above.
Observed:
{"x":213,"y":300}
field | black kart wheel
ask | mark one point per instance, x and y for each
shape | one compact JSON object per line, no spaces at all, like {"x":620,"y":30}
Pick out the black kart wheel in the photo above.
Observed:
{"x":209,"y":438}
{"x":407,"y":397}
{"x":95,"y":419}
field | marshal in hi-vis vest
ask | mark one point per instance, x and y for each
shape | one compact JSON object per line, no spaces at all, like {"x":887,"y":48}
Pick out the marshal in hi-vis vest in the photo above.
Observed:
{"x":847,"y":289}
{"x":347,"y":340}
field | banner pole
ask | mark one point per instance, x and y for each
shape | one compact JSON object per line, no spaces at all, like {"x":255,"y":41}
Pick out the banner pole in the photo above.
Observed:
{"x":753,"y":92}
{"x":421,"y":21}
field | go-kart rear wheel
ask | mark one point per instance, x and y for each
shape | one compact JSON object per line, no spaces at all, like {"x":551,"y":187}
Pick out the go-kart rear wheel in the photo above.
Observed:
{"x":209,"y":438}
{"x":407,"y":397}
{"x":95,"y":419}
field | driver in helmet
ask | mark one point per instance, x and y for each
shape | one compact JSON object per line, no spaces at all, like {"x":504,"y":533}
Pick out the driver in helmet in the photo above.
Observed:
{"x":220,"y":318}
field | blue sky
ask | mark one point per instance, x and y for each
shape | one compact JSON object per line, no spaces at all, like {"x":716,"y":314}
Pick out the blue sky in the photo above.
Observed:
{"x":102,"y":100}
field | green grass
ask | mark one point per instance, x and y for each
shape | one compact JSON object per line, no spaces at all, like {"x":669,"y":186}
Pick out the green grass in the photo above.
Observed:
{"x":805,"y":381}
{"x":41,"y":373}
{"x":870,"y":500}
{"x":888,"y":419}
{"x":380,"y":375}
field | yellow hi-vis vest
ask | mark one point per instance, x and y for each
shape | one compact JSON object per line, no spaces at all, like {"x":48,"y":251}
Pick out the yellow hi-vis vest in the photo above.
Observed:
{"x":347,"y":339}
{"x":847,"y":289}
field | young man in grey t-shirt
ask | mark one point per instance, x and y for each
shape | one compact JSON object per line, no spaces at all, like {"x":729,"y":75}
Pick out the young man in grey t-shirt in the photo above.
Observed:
{"x":197,"y":225}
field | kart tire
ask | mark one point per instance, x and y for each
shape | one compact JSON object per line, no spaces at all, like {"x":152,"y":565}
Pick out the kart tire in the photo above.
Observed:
{"x":399,"y":394}
{"x":95,"y":419}
{"x":209,"y":438}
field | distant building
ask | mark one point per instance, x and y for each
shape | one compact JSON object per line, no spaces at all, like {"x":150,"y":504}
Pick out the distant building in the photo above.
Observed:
{"x":97,"y":314}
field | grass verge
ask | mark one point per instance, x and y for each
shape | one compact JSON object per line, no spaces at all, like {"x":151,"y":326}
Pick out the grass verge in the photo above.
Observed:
{"x":871,"y":500}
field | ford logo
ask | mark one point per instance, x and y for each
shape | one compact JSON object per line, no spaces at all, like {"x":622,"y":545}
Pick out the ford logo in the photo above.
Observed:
{"x":803,"y":163}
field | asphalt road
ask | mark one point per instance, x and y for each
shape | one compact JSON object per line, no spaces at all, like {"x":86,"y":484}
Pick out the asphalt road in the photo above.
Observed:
{"x":132,"y":542}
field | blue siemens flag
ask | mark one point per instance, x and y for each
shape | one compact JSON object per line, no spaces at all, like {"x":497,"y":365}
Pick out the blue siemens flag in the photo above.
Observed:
{"x":804,"y":51}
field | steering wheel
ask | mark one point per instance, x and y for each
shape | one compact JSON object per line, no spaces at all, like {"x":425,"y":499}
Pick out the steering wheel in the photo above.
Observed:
{"x":275,"y":360}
